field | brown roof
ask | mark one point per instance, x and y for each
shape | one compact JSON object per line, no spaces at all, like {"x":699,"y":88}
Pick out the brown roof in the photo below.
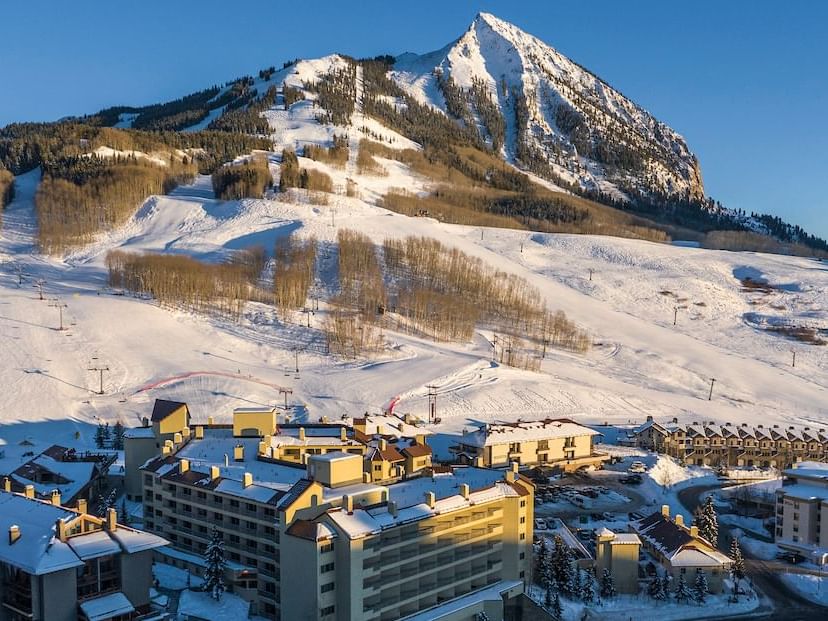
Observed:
{"x":388,"y":454}
{"x":417,"y":450}
{"x":304,"y":529}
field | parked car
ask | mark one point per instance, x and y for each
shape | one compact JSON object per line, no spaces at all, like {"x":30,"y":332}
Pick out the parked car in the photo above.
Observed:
{"x":637,"y":467}
{"x":791,"y":557}
{"x":632,"y":479}
{"x":540,"y":524}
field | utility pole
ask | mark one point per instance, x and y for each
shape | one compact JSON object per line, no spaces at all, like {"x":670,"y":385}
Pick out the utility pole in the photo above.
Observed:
{"x":39,"y":284}
{"x":307,"y":312}
{"x":432,"y":403}
{"x":494,"y":347}
{"x":286,"y":392}
{"x":296,"y":360}
{"x":675,"y":314}
{"x":101,"y":371}
{"x":712,"y":381}
{"x":591,"y":271}
{"x":793,"y":362}
{"x":56,"y":303}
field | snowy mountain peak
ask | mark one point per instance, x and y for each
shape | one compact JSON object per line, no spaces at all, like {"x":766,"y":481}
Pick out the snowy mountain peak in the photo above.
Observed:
{"x":561,"y":120}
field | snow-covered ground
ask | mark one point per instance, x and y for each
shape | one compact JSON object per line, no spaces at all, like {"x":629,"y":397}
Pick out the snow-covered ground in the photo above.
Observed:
{"x":809,"y":586}
{"x":640,"y":364}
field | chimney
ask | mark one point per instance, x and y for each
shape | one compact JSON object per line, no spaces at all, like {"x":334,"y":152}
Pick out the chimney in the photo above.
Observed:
{"x":675,"y":420}
{"x":6,"y":484}
{"x":14,"y":533}
{"x":694,"y":531}
{"x":177,"y":438}
{"x":383,"y":444}
{"x":381,"y":430}
{"x":348,"y":504}
{"x":430,"y":499}
{"x":679,"y":519}
{"x":419,"y":438}
{"x":392,"y":508}
{"x":510,"y":476}
{"x":185,"y":433}
{"x":649,"y":418}
{"x":247,"y":479}
{"x":82,"y":506}
{"x":214,"y":472}
{"x":29,"y":491}
{"x":262,"y":448}
{"x":238,"y":452}
{"x":209,"y":421}
{"x":60,"y":528}
{"x":165,"y":450}
{"x":514,"y":466}
{"x":111,"y":520}
{"x":665,"y":510}
{"x":464,"y":490}
{"x":301,"y":434}
{"x":366,"y":478}
{"x":478,"y":461}
{"x":145,"y":422}
{"x":343,"y":433}
{"x":199,"y":434}
{"x":55,"y":497}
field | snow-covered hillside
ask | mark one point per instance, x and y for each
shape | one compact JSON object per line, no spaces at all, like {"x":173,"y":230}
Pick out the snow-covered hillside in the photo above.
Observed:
{"x":590,"y":133}
{"x":640,"y":364}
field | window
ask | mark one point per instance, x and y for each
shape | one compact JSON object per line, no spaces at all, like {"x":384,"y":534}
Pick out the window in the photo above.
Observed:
{"x":327,"y":587}
{"x":377,"y":467}
{"x":522,"y":536}
{"x":327,"y":547}
{"x":522,"y":555}
{"x":523,"y":520}
{"x":522,"y":503}
{"x":328,"y":610}
{"x":327,"y":567}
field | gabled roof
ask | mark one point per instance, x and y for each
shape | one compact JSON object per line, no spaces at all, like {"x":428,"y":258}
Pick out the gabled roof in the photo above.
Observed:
{"x":677,"y":544}
{"x":650,"y":423}
{"x":163,"y":408}
{"x":387,"y":454}
{"x":417,"y":450}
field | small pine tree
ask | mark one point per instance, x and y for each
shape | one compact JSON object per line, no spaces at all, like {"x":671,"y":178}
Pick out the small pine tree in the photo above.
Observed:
{"x":541,"y":555}
{"x":700,"y":588}
{"x":562,"y":567}
{"x":215,"y":563}
{"x":656,"y":589}
{"x":607,"y":584}
{"x":588,"y":590}
{"x":99,"y":436}
{"x":577,"y":583}
{"x":118,"y":436}
{"x":738,"y":560}
{"x":547,"y":597}
{"x":123,"y":515}
{"x":682,"y":591}
{"x":107,"y":436}
{"x":707,"y":521}
{"x":666,"y":581}
{"x":557,"y":609}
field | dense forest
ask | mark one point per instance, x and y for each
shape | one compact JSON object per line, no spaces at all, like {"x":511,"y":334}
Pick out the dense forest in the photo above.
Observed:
{"x":189,"y":284}
{"x":6,"y":187}
{"x":293,"y":176}
{"x":247,"y":179}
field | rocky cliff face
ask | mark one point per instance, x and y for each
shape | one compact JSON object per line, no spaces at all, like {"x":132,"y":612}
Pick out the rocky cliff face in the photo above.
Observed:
{"x":556,"y":117}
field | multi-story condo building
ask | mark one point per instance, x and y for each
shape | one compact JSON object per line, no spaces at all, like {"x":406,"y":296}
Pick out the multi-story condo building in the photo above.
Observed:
{"x":802,"y":509}
{"x":331,"y":538}
{"x":60,"y":564}
{"x":558,"y":443}
{"x":730,"y":445}
{"x":680,"y":550}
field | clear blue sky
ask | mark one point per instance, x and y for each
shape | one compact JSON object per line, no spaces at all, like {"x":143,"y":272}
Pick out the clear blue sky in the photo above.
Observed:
{"x":746,"y":82}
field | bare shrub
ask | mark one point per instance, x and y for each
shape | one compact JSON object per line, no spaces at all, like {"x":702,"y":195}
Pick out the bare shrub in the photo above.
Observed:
{"x":295,"y":265}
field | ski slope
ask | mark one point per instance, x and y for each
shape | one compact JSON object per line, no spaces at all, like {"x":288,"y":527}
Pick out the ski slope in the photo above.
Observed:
{"x":640,"y":364}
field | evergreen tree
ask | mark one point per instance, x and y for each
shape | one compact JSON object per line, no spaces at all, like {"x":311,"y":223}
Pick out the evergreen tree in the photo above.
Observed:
{"x":557,"y":609}
{"x":123,"y":516}
{"x":682,"y":591}
{"x":738,"y":560}
{"x":607,"y":584}
{"x":666,"y":581}
{"x":563,"y":571}
{"x":577,"y":583}
{"x":541,"y":556}
{"x":118,"y":436}
{"x":700,"y":588}
{"x":547,"y":597}
{"x":588,"y":590}
{"x":105,"y":502}
{"x":99,"y":436}
{"x":481,"y":616}
{"x":656,"y":589}
{"x":708,"y":522}
{"x":107,"y":436}
{"x":215,"y":563}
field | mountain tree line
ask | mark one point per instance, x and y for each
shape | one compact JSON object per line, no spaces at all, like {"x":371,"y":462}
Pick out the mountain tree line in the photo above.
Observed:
{"x":186,"y":283}
{"x":294,"y":268}
{"x":335,"y":94}
{"x":71,"y":210}
{"x":247,"y":118}
{"x":336,"y":154}
{"x":6,"y":187}
{"x":248,"y":179}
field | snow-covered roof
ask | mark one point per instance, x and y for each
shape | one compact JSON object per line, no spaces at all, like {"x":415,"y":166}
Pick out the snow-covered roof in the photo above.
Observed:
{"x":451,"y":607}
{"x":547,"y":429}
{"x":106,"y":607}
{"x":140,"y":432}
{"x":38,"y":550}
{"x":70,"y":476}
{"x":389,"y":426}
{"x":626,"y":539}
{"x":696,"y":557}
{"x":199,"y":605}
{"x":409,"y":496}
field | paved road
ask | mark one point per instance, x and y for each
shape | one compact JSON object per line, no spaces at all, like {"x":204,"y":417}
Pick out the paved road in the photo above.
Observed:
{"x":779,"y":602}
